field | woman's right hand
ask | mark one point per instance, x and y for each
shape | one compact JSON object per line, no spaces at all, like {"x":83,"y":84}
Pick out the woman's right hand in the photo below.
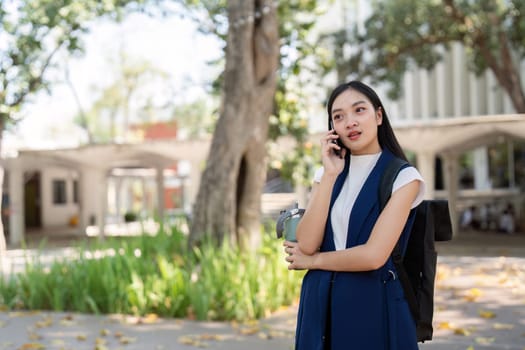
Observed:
{"x":332,"y":163}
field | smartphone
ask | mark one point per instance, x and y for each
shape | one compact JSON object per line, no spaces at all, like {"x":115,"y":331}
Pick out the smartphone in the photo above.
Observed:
{"x":337,"y":142}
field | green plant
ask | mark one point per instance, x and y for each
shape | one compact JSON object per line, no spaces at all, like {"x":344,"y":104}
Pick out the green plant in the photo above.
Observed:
{"x":158,"y":274}
{"x":130,"y":216}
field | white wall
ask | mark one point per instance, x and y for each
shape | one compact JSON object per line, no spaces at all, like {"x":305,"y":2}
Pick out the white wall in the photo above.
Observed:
{"x":57,"y":214}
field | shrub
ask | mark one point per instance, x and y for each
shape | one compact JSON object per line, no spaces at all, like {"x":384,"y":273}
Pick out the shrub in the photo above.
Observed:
{"x":158,"y":274}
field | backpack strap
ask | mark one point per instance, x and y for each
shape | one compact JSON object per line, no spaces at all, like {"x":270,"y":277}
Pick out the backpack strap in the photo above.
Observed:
{"x":387,"y":180}
{"x":385,"y":191}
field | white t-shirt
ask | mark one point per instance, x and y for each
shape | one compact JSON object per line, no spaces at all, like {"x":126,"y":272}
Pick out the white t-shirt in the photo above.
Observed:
{"x":360,"y":168}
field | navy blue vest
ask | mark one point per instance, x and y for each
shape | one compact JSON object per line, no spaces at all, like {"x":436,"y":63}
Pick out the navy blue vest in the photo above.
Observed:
{"x":356,"y":310}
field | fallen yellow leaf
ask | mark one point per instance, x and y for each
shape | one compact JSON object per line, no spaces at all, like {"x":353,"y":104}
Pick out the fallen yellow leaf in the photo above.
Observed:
{"x":462,"y":331}
{"x":150,"y":318}
{"x":100,"y":341}
{"x":249,"y":331}
{"x":186,"y":340}
{"x":28,"y":346}
{"x":127,"y":340}
{"x":45,"y":322}
{"x":81,"y":337}
{"x":472,"y":294}
{"x":487,"y":314}
{"x":444,"y":325}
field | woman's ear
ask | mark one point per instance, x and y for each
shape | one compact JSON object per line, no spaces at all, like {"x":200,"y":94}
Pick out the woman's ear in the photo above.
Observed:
{"x":379,"y":116}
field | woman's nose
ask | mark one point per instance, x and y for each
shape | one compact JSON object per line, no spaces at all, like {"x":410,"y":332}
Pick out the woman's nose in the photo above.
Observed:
{"x":351,"y":122}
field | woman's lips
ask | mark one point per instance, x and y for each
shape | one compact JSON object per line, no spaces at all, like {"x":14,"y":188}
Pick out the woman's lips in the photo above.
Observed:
{"x":354,"y":135}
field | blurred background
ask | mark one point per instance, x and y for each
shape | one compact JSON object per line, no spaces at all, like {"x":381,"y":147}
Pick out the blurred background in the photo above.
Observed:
{"x":110,"y":109}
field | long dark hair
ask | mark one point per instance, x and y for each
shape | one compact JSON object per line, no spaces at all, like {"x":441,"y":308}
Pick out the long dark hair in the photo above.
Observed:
{"x":385,"y":133}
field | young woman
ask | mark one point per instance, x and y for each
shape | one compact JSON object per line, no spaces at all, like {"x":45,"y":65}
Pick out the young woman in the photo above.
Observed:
{"x":351,"y":297}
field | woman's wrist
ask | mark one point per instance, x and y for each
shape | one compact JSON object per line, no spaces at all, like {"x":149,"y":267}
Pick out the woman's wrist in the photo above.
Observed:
{"x":314,"y":262}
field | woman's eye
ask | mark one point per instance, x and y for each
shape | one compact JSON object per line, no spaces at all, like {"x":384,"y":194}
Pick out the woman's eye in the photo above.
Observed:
{"x":360,"y":109}
{"x":336,"y":117}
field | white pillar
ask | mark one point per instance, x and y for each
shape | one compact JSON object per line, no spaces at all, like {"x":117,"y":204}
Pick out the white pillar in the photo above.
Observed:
{"x":118,"y":199}
{"x":426,"y":164}
{"x":474,"y":98}
{"x":492,"y":103}
{"x":450,"y":162}
{"x":103,"y":200}
{"x":82,"y":217}
{"x":481,"y":169}
{"x":408,"y":82}
{"x":508,"y":107}
{"x":302,"y":195}
{"x":440,"y":89}
{"x":92,"y":189}
{"x":458,"y":67}
{"x":424,"y":94}
{"x":511,"y":165}
{"x":144,"y":188}
{"x":193,"y":182}
{"x":16,"y":204}
{"x":160,"y":194}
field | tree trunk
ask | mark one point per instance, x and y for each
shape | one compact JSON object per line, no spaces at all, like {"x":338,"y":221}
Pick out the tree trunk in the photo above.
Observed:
{"x":228,"y":201}
{"x":508,"y":74}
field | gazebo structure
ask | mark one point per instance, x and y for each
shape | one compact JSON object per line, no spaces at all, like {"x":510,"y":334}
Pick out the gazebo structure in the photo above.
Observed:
{"x":58,"y":185}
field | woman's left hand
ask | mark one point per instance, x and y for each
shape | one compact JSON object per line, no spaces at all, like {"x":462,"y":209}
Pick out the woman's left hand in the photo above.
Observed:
{"x":296,"y":258}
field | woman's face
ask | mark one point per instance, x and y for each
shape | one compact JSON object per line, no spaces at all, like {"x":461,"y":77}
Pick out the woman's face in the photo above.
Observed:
{"x":356,"y":121}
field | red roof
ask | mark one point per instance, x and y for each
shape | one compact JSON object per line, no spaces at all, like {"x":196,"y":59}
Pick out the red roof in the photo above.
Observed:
{"x":156,"y":131}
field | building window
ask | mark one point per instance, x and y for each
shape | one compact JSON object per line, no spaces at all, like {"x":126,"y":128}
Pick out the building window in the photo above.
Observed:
{"x":59,"y":192}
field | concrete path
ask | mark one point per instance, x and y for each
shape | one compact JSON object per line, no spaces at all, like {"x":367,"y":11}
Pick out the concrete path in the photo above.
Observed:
{"x":479,"y":304}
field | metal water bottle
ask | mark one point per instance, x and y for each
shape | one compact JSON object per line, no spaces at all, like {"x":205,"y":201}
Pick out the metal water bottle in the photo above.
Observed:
{"x":287,"y":223}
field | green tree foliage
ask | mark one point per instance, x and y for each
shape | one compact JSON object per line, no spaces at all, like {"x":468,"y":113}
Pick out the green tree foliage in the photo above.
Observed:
{"x":300,"y":57}
{"x":128,"y":99}
{"x":32,"y":34}
{"x":403,"y":33}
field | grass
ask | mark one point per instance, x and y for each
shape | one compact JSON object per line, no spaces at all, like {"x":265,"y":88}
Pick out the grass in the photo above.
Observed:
{"x":158,"y":274}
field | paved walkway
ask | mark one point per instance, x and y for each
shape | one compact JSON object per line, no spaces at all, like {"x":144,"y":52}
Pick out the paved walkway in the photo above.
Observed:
{"x":480,"y":304}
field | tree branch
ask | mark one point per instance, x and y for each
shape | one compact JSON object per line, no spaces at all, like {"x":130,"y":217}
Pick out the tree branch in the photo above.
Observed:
{"x":35,"y":82}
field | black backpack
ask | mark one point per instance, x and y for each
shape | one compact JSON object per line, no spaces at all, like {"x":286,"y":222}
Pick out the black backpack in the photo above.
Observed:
{"x":417,"y":268}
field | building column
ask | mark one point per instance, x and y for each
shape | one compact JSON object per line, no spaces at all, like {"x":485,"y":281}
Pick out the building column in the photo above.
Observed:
{"x":440,"y":88}
{"x":492,"y":93}
{"x":16,"y":204}
{"x":450,"y":166}
{"x":160,"y":194}
{"x":144,"y":187}
{"x":82,"y":217}
{"x":302,"y":195}
{"x":193,"y":182}
{"x":408,"y":83}
{"x":118,"y":199}
{"x":426,"y":164}
{"x":93,"y":191}
{"x":481,"y":169}
{"x":424,"y":94}
{"x":474,"y":96}
{"x":511,"y":165}
{"x":103,"y":200}
{"x":459,"y":87}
